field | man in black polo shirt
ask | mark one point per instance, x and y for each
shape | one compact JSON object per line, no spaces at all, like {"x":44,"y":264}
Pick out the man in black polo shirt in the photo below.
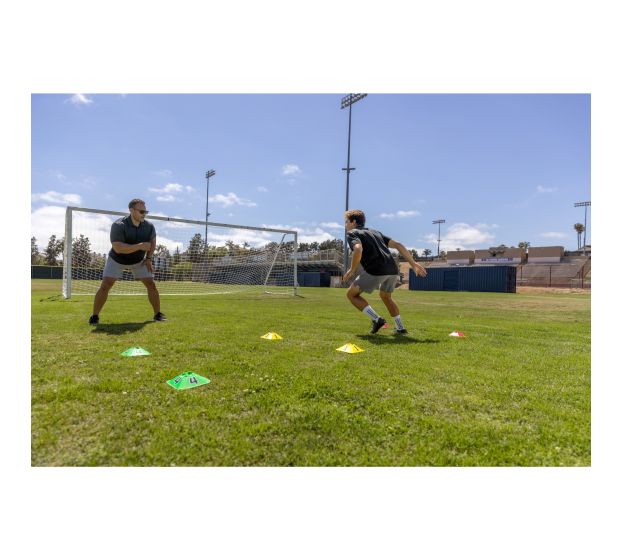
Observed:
{"x":371,"y":249}
{"x":133,"y":243}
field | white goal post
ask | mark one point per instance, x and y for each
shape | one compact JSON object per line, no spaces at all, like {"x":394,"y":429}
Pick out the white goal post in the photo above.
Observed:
{"x":235,"y":259}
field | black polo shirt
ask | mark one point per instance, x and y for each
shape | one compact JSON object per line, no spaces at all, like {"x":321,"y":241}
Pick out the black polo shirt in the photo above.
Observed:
{"x":376,"y":256}
{"x":125,"y":231}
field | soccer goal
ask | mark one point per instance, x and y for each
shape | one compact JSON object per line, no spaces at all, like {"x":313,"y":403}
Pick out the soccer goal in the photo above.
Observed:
{"x":192,"y":257}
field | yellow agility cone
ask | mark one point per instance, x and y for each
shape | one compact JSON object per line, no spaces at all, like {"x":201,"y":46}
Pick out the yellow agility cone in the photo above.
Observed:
{"x":272,"y":336}
{"x":350,"y":348}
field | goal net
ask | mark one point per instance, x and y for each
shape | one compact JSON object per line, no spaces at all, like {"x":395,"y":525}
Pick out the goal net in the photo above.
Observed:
{"x":235,"y":258}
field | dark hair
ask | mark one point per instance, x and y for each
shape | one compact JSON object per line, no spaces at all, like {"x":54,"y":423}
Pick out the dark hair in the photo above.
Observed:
{"x":134,"y":201}
{"x":356,"y":216}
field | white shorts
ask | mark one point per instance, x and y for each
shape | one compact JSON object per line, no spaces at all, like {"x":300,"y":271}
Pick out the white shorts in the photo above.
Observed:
{"x":369,"y":282}
{"x":114,"y":269}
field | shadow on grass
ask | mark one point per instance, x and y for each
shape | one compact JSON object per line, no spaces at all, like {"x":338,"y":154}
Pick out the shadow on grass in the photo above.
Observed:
{"x":396,"y":339}
{"x":52,"y":298}
{"x":120,"y":328}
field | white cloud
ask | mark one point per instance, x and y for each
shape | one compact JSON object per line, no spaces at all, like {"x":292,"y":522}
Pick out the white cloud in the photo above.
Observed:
{"x":291,"y":169}
{"x":171,"y":188}
{"x":230,"y":199}
{"x":262,"y":189}
{"x":170,"y":244}
{"x":57,"y":198}
{"x":463,"y":235}
{"x":553,"y":234}
{"x":399,"y":214}
{"x":50,"y":220}
{"x":546,"y":190}
{"x":168,"y":190}
{"x":308,"y":235}
{"x":331,"y":225}
{"x":80,"y":99}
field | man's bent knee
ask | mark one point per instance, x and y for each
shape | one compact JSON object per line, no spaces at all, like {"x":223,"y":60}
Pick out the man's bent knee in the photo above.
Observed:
{"x":354,"y":291}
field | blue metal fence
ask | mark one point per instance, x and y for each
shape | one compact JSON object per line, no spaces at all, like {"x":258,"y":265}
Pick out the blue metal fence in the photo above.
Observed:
{"x":467,"y":279}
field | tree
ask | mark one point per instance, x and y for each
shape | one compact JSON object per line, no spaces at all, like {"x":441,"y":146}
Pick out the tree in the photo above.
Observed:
{"x":427,"y":252}
{"x":232,"y":247}
{"x":414,"y":253}
{"x":98,"y":260}
{"x":196,"y":248}
{"x":35,"y":257}
{"x":176,"y":256}
{"x":524,"y":244}
{"x":443,"y":254}
{"x":81,"y":251}
{"x":53,"y":249}
{"x":579,"y":230}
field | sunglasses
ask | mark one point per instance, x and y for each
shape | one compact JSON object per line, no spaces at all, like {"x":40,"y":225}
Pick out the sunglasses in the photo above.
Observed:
{"x":141,"y":211}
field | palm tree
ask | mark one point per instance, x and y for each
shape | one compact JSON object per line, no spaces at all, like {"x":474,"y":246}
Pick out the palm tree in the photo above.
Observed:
{"x":579,"y":230}
{"x":427,"y":252}
{"x":524,"y":244}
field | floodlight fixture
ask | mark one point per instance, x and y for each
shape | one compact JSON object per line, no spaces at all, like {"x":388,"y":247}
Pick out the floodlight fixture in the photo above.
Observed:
{"x":351,"y":99}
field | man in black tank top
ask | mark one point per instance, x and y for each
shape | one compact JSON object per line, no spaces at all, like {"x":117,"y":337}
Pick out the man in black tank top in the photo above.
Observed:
{"x":378,"y":269}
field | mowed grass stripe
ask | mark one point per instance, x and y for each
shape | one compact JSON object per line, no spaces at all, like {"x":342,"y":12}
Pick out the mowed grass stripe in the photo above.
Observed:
{"x":516,"y":391}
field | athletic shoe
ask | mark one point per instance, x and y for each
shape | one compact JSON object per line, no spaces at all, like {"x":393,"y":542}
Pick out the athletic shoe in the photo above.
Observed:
{"x":159,"y":316}
{"x":401,"y":331}
{"x":377,"y":325}
{"x":93,"y":320}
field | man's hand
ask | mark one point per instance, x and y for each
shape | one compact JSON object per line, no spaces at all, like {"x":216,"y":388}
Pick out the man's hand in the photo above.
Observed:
{"x":419,"y":270}
{"x":145,"y":246}
{"x":348,"y":275}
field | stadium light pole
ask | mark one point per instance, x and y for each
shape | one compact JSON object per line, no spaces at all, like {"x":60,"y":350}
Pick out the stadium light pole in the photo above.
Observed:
{"x":440,"y":221}
{"x":348,"y":101}
{"x":586,"y":204}
{"x":208,"y":174}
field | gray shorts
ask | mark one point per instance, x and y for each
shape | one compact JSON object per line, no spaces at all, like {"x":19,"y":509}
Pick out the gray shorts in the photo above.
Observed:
{"x":369,"y":282}
{"x":114,"y":269}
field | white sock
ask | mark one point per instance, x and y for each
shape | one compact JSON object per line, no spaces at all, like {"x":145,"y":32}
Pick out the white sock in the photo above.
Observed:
{"x":369,"y":311}
{"x":398,"y":323}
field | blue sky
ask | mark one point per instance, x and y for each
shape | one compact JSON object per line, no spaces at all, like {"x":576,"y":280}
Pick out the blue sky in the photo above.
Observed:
{"x":498,"y":168}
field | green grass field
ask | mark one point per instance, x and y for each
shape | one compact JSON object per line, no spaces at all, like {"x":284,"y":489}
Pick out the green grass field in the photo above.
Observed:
{"x":516,"y":391}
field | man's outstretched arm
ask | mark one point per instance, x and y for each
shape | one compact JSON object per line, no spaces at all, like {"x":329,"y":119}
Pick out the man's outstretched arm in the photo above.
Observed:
{"x":418,"y":269}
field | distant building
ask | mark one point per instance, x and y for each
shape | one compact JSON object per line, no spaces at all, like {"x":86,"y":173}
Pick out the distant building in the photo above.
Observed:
{"x":545,"y":254}
{"x":500,"y":255}
{"x":459,"y":257}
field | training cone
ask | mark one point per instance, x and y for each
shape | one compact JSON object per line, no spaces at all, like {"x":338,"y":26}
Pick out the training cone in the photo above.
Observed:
{"x":187,"y":380}
{"x":135,"y":351}
{"x":350,"y":349}
{"x":457,"y":333}
{"x":272,"y":336}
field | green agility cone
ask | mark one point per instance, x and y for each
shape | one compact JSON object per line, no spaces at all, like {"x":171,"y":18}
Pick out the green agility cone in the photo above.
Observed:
{"x":187,"y":380}
{"x":135,"y":351}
